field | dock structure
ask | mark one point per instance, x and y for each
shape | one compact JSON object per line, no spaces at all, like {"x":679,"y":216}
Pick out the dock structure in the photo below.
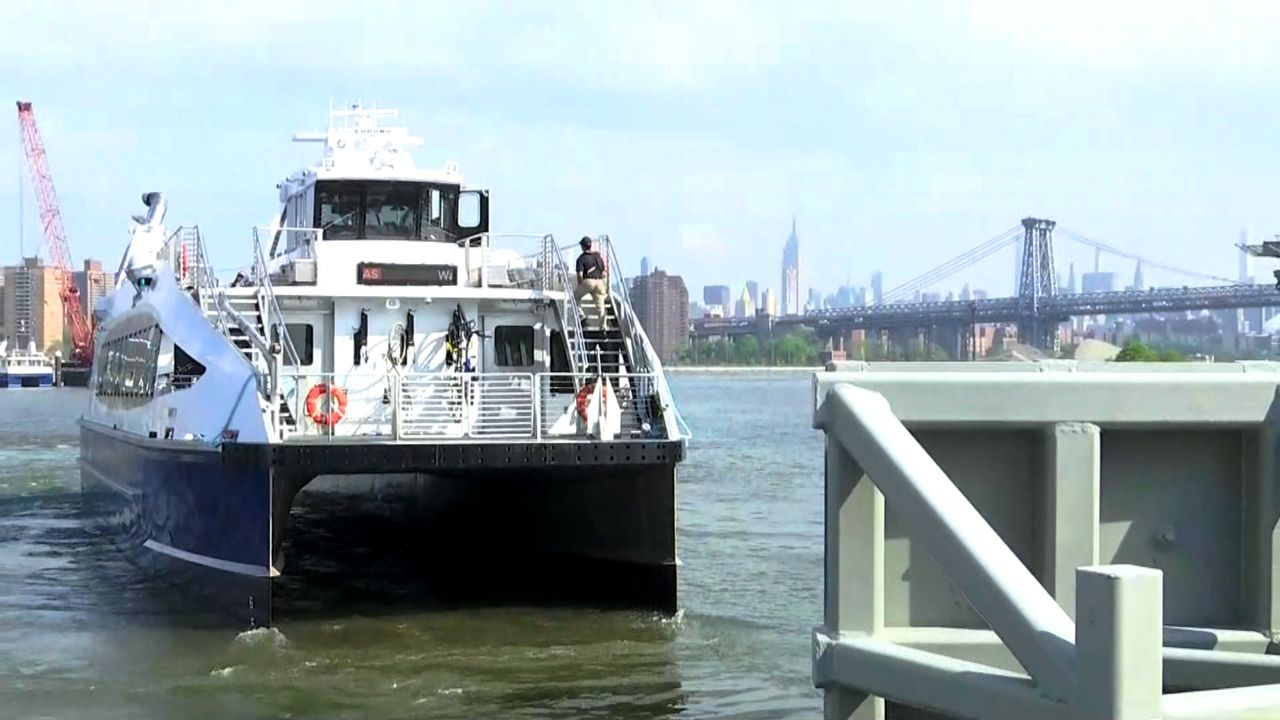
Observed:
{"x":1050,"y":540}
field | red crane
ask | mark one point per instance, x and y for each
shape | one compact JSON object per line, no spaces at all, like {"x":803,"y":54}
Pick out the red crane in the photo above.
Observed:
{"x":55,"y":237}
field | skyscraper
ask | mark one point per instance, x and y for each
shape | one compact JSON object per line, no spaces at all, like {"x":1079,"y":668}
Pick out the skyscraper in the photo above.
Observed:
{"x":717,"y":296}
{"x":753,"y":289}
{"x":644,"y":266}
{"x":768,"y":303}
{"x":747,"y":303}
{"x":94,"y":283}
{"x":815,"y":300}
{"x":791,"y":302}
{"x":877,"y":287}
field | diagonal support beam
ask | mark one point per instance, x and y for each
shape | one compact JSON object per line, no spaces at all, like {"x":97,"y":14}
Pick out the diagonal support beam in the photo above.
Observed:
{"x":934,"y":511}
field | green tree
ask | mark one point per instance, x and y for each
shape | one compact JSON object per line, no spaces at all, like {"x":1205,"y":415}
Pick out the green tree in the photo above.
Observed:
{"x":1135,"y":350}
{"x":795,"y":350}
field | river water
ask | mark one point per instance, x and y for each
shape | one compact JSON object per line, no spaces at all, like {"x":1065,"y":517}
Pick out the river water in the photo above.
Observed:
{"x":83,"y":635}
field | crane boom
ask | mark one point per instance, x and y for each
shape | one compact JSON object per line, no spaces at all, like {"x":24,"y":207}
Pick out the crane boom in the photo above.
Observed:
{"x":55,"y":238}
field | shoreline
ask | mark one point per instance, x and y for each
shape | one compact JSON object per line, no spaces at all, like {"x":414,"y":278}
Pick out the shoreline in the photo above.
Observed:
{"x":743,"y":368}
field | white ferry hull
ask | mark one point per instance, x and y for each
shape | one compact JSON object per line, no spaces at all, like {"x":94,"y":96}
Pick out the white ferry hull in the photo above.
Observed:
{"x":21,"y":380}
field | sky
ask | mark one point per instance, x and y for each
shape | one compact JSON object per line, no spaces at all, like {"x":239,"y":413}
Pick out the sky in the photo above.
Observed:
{"x":897,"y":134}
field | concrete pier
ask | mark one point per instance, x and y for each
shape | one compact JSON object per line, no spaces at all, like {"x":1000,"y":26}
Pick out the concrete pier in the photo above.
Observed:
{"x":1054,"y":539}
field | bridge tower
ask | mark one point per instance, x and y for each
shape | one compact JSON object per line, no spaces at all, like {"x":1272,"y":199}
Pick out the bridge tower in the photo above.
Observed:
{"x":1037,"y":281}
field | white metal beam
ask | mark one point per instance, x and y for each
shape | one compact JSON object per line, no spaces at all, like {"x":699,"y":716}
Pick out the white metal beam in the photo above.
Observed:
{"x":934,"y":511}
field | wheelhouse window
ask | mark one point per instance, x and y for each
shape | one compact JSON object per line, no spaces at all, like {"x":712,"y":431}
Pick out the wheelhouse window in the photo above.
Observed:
{"x":513,"y":345}
{"x":338,"y":212}
{"x":389,"y":210}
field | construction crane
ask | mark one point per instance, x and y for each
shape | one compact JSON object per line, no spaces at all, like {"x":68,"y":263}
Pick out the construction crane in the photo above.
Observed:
{"x":55,"y":237}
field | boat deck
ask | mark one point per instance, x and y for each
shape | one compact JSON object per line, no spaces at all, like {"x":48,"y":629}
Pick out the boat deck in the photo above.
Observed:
{"x":340,"y":456}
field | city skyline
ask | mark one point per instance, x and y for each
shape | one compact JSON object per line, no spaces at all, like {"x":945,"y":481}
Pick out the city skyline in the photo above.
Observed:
{"x":849,"y":294}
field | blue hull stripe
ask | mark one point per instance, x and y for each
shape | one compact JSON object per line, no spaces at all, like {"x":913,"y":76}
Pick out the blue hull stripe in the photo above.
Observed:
{"x":179,"y":498}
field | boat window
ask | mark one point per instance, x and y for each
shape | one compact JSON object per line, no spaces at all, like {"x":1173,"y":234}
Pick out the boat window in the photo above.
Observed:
{"x":126,"y":366}
{"x":302,"y":335}
{"x":469,"y":210}
{"x":437,"y":213}
{"x":560,"y":384}
{"x":513,"y":345}
{"x":391,"y":212}
{"x":186,"y":369}
{"x":559,"y":353}
{"x":339,"y":213}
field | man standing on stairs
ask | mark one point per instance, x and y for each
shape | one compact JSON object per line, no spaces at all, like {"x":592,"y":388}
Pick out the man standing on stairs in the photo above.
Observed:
{"x":592,"y":280}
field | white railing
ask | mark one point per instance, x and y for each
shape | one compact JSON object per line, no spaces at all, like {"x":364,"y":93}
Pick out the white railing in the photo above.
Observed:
{"x":633,"y":394}
{"x":415,"y":407}
{"x":499,"y":405}
{"x":519,"y":261}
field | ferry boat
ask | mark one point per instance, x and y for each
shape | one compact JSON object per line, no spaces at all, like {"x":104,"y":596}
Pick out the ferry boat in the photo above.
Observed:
{"x":380,"y":329}
{"x":24,"y":368}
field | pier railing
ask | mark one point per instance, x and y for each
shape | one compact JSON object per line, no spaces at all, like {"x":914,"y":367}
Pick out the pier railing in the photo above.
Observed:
{"x":413,"y":407}
{"x":1117,"y":658}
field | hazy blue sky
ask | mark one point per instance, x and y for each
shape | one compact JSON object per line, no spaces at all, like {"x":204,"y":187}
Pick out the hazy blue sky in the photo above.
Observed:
{"x":899,"y":133}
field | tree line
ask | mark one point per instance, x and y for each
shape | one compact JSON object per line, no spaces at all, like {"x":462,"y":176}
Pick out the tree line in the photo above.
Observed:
{"x":796,"y":349}
{"x":803,"y":349}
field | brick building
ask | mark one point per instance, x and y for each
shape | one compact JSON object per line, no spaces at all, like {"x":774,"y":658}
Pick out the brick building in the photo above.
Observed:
{"x":662,"y":304}
{"x":93,"y":283}
{"x":32,"y":305}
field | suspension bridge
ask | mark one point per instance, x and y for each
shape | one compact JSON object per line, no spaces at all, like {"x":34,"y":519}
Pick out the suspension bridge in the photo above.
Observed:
{"x":1038,"y":309}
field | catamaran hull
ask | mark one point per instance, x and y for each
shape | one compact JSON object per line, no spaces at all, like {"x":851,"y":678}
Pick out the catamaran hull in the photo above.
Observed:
{"x":183,"y":513}
{"x":596,"y":521}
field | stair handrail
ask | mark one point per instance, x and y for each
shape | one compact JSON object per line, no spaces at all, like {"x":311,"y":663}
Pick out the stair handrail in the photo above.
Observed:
{"x":650,"y":363}
{"x":206,"y":284}
{"x":271,"y":307}
{"x":574,"y":313}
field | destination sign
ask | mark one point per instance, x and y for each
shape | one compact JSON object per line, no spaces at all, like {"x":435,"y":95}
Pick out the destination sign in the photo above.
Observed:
{"x":395,"y":274}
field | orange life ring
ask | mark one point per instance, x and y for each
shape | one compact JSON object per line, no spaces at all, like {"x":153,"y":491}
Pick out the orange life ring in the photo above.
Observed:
{"x":584,"y":396}
{"x":337,"y":401}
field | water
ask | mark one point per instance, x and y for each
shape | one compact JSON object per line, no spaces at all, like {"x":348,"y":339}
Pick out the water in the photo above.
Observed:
{"x":83,"y":635}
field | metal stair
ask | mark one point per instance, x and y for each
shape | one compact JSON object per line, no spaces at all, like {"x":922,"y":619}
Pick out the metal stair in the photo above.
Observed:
{"x":605,"y":351}
{"x":249,"y":309}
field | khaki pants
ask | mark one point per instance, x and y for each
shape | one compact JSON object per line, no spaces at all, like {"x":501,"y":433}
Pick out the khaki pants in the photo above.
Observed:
{"x":599,"y":293}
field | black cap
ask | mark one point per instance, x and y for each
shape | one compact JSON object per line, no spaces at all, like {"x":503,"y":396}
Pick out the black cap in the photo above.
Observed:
{"x":585,"y":242}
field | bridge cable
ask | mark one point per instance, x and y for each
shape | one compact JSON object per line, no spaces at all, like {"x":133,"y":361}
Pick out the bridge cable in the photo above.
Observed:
{"x":1145,"y":261}
{"x":954,"y":265}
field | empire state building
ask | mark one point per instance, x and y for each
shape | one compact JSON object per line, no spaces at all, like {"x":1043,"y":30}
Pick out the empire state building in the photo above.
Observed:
{"x":791,"y":302}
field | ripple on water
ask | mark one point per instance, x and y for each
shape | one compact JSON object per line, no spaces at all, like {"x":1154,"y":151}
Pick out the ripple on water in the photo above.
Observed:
{"x":87,"y":636}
